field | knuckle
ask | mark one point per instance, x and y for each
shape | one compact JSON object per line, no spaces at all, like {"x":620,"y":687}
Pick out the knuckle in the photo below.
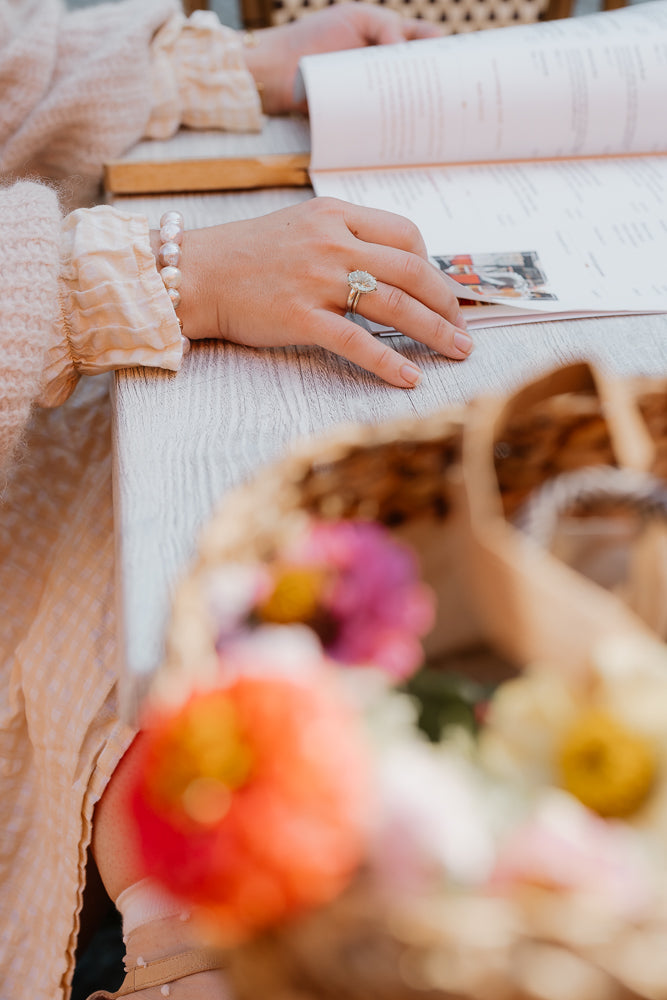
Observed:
{"x":410,"y":234}
{"x":324,"y":205}
{"x":347,"y":339}
{"x":386,"y":362}
{"x":396,"y":300}
{"x":443,"y":335}
{"x":411,"y":267}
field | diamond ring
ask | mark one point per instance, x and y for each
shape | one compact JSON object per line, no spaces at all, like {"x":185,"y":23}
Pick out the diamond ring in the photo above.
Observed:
{"x":359,"y":281}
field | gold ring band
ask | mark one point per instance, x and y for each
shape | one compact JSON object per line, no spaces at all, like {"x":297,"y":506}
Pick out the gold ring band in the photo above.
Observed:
{"x":352,"y":300}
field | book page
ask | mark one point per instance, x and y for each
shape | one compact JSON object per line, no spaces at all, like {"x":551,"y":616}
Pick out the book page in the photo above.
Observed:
{"x":566,"y":235}
{"x":585,"y":86}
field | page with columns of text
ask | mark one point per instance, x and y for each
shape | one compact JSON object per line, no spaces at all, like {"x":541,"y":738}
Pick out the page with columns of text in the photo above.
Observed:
{"x":584,"y":86}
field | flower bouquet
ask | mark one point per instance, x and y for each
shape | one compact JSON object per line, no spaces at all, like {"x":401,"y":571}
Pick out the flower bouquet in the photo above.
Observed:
{"x":359,"y":789}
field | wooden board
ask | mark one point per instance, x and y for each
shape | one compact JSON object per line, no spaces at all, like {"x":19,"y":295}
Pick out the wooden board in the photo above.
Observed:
{"x":123,"y":177}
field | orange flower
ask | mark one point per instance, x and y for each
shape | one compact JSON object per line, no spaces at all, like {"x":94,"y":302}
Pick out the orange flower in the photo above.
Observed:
{"x":253,"y":800}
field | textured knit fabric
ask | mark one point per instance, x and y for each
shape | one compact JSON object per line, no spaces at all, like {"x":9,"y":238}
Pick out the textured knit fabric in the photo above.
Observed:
{"x":75,"y":89}
{"x":78,"y":88}
{"x":74,"y":86}
{"x":30,"y":235}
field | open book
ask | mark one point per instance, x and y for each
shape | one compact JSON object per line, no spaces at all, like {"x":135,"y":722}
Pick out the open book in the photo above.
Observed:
{"x":529,"y":157}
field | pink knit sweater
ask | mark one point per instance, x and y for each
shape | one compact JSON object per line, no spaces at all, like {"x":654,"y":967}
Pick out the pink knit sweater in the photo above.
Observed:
{"x":29,"y":235}
{"x":75,"y":86}
{"x":75,"y":90}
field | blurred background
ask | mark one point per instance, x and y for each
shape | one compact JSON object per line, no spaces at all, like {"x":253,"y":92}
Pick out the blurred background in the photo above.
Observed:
{"x":228,"y":10}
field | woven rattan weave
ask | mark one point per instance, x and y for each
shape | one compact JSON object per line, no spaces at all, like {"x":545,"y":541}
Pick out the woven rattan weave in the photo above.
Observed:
{"x":449,"y":484}
{"x":455,"y":16}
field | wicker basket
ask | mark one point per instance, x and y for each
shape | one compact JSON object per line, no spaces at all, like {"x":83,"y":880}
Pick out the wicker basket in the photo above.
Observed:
{"x":451,"y":485}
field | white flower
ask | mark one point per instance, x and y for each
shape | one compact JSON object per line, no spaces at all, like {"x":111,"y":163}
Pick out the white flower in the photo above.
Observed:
{"x":433,"y":823}
{"x":603,"y":736}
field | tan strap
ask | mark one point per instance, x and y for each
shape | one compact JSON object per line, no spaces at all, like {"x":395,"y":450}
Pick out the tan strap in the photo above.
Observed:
{"x":166,"y":970}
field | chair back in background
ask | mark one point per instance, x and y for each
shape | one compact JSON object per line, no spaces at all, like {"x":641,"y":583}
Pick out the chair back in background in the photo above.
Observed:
{"x":455,"y":16}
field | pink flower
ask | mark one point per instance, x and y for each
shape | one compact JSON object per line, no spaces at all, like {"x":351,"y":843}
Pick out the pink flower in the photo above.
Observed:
{"x":375,"y":605}
{"x":350,"y":582}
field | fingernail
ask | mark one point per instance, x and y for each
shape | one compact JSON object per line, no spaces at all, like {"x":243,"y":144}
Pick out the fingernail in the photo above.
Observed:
{"x":410,"y":374}
{"x":460,"y":321}
{"x":463,"y":342}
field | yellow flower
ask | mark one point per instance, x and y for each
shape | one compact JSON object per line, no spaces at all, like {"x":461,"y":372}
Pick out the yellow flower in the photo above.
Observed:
{"x":295,"y":596}
{"x":201,"y":757}
{"x":610,"y":768}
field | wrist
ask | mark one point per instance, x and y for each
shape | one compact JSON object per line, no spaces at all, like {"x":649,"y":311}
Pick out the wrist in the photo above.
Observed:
{"x":194,"y":311}
{"x":254,"y":60}
{"x":265,"y":61}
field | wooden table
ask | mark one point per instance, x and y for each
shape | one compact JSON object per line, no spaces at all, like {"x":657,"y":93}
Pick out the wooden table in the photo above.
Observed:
{"x":183,"y":440}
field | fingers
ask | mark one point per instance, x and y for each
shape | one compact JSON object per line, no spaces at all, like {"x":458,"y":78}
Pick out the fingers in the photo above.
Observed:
{"x":401,"y":29}
{"x":414,"y":28}
{"x":357,"y":345}
{"x":303,"y":292}
{"x":411,"y":295}
{"x":388,"y":27}
{"x":433,"y":319}
{"x":388,"y":32}
{"x":376,"y":226}
{"x":417,"y":277}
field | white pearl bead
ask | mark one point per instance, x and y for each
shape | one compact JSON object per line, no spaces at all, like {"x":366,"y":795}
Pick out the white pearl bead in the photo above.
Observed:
{"x":169,"y":254}
{"x":175,"y":297}
{"x":171,"y":276}
{"x":172,"y":216}
{"x":186,"y":347}
{"x":165,"y":990}
{"x":171,"y":232}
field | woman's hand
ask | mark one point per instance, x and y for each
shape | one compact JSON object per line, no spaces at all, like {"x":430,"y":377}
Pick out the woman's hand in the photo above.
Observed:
{"x":274,"y":59}
{"x":282,"y":279}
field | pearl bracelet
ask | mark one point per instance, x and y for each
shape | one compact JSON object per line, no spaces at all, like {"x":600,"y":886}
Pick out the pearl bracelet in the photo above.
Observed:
{"x":169,"y":257}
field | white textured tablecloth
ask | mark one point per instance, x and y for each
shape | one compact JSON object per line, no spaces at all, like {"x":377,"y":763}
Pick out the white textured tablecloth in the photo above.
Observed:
{"x":182,"y":441}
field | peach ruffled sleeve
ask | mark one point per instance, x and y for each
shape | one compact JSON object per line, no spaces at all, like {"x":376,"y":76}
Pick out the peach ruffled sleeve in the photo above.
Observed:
{"x":115,"y":312}
{"x":200,"y":79}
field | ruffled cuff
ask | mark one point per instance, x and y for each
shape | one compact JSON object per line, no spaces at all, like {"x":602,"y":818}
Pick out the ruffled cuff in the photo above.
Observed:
{"x":200,"y":79}
{"x":115,"y":310}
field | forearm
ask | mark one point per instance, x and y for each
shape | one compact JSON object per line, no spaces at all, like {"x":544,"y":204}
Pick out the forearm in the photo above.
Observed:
{"x":76,"y":85}
{"x":80,"y":87}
